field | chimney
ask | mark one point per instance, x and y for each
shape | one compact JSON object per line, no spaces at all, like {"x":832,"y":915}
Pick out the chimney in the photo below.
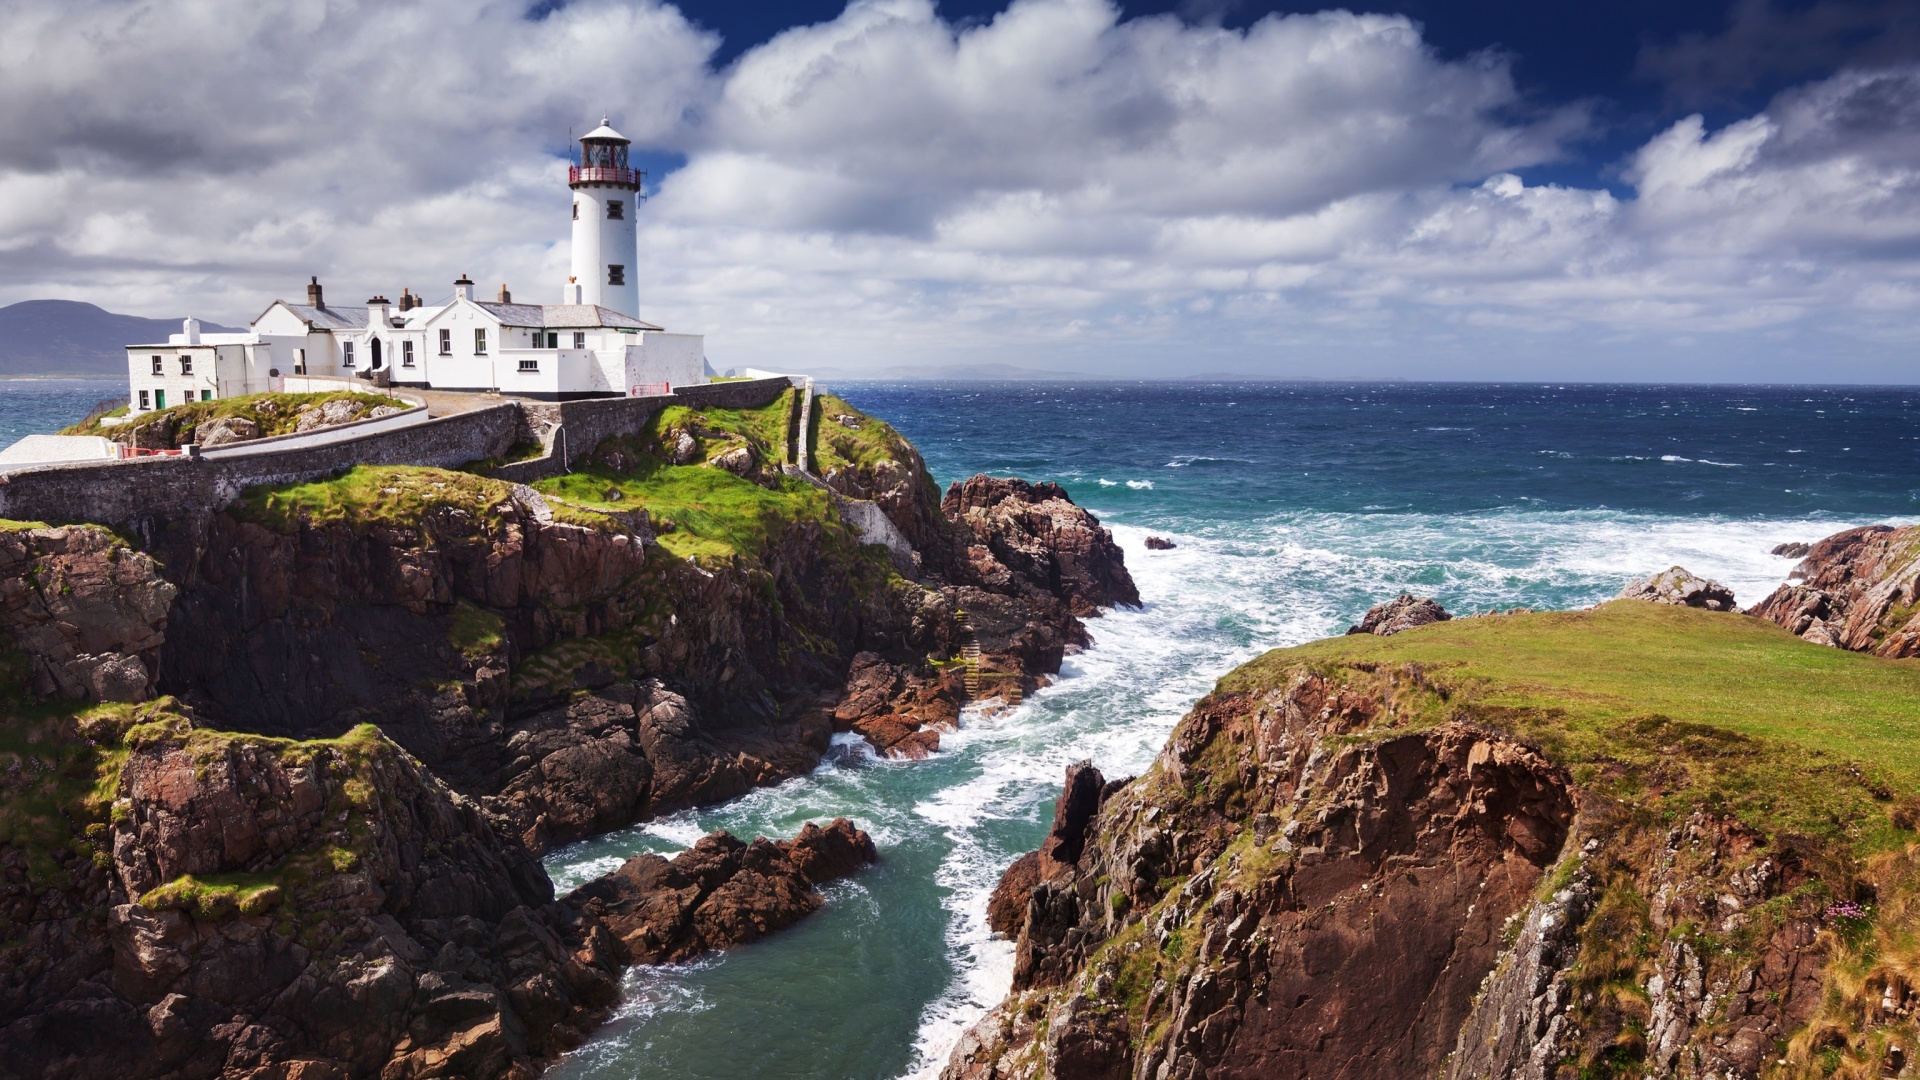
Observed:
{"x":313,"y":293}
{"x":505,"y":296}
{"x":377,"y":311}
{"x":408,"y":301}
{"x":190,"y":329}
{"x":463,"y":287}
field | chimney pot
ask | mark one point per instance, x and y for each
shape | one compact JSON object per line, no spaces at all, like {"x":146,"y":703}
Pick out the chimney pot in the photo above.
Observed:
{"x":314,"y":296}
{"x":505,"y":296}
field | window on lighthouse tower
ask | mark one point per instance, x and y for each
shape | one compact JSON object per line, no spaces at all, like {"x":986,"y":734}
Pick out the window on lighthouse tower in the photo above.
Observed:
{"x":616,"y":274}
{"x":616,"y":210}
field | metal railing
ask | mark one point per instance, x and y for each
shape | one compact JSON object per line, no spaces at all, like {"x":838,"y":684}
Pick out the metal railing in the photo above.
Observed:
{"x":650,"y":389}
{"x":603,"y":174}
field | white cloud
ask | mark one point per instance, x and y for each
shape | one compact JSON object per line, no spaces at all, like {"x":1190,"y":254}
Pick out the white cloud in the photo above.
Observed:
{"x":1054,"y":184}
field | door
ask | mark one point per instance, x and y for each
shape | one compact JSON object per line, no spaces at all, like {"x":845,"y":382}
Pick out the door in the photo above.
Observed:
{"x":159,"y":399}
{"x":376,"y":354}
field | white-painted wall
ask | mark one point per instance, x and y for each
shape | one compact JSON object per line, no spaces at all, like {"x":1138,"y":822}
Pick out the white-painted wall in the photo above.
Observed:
{"x":676,"y":359}
{"x":599,"y":241}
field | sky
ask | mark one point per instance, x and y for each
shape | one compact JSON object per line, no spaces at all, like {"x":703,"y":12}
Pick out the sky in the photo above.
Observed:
{"x":1635,"y":190}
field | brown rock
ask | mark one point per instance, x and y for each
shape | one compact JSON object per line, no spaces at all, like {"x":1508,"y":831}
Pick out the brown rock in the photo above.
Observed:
{"x":1007,"y":907}
{"x":1403,"y":612}
{"x":720,"y":892}
{"x":223,"y":430}
{"x":1857,"y":589}
{"x":1160,"y":543}
{"x":1019,"y":535}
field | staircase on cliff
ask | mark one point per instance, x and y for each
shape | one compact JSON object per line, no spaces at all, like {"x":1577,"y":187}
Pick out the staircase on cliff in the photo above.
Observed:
{"x":979,"y":678}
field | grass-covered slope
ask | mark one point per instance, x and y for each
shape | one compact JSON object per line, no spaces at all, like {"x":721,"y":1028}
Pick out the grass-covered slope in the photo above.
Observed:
{"x":277,"y":414}
{"x":1668,"y":704}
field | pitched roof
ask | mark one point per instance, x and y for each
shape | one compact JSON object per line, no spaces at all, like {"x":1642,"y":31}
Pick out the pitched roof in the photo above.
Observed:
{"x":563,"y":315}
{"x":329,"y":318}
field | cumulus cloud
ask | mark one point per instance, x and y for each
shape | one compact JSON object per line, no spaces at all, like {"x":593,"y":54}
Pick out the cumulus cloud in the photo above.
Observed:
{"x":1315,"y":193}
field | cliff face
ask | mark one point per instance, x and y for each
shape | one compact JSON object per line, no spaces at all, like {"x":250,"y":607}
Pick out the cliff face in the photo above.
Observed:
{"x":1358,"y":862}
{"x":275,"y":785}
{"x":1858,"y":590}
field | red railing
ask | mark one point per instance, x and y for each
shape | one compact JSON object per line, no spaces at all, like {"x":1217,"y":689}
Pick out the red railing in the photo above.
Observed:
{"x":651,"y":389}
{"x":603,"y":174}
{"x":125,"y":452}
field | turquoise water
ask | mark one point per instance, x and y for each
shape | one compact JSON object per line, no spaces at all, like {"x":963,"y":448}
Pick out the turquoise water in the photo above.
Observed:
{"x":1294,"y":507}
{"x":44,"y":406}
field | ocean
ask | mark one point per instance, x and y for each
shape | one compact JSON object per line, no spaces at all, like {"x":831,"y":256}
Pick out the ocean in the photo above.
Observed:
{"x":1294,"y":508}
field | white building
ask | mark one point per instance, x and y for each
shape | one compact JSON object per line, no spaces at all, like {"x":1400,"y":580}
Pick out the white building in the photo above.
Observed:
{"x":591,"y":344}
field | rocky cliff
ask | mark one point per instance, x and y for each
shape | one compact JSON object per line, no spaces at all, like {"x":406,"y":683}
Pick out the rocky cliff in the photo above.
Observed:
{"x":1858,"y":589}
{"x":276,"y":778}
{"x":1455,"y":852}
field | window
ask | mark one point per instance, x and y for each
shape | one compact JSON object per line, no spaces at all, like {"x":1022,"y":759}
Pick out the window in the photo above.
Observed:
{"x":346,"y":354}
{"x":616,"y":274}
{"x":406,"y":354}
{"x":206,"y":395}
{"x":616,"y":209}
{"x":144,"y":405}
{"x":299,"y":361}
{"x":530,"y":363}
{"x":576,"y":211}
{"x":579,"y":339}
{"x":553,"y":340}
{"x":446,"y":343}
{"x":156,"y":367}
{"x":479,"y":341}
{"x":186,"y":364}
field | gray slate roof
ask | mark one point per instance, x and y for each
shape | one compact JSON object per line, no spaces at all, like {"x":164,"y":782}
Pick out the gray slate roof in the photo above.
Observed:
{"x":331,"y":318}
{"x":564,"y":315}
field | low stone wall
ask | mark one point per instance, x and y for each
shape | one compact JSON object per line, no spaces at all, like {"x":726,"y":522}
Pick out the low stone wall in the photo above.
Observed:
{"x":128,"y":493}
{"x":133,"y":494}
{"x":569,"y":429}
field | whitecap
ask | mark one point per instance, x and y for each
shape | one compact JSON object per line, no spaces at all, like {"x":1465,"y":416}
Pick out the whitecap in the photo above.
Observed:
{"x":1674,"y":457}
{"x":1104,"y":482}
{"x":1140,"y":485}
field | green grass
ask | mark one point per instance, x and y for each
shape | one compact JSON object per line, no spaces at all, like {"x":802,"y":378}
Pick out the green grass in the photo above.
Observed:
{"x":836,"y":446}
{"x":713,"y":513}
{"x":767,"y":429}
{"x":475,"y":632}
{"x":369,"y":496}
{"x":275,"y":413}
{"x":1666,"y":707}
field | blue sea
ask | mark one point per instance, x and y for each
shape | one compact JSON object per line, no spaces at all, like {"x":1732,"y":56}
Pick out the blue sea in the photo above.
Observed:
{"x":1294,"y":508}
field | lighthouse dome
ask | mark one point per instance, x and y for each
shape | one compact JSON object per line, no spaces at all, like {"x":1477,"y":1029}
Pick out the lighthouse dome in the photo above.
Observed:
{"x":604,"y":133}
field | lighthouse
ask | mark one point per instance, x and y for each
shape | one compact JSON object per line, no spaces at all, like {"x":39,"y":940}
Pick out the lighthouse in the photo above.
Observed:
{"x":606,"y":194}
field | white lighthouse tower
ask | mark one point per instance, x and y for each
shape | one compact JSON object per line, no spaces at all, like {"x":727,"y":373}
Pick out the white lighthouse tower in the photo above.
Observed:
{"x":606,"y":194}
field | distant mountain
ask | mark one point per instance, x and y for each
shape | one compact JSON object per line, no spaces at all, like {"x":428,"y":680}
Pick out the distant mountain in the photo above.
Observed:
{"x":961,"y":373}
{"x":65,"y":337}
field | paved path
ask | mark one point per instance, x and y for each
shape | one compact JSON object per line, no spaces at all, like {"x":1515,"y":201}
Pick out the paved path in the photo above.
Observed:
{"x":449,"y":402}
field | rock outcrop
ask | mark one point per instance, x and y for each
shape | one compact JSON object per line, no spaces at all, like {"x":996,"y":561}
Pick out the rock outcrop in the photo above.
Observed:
{"x":85,"y":612}
{"x":1678,"y":587}
{"x":1302,"y":887}
{"x":1403,"y":612}
{"x":1858,"y":589}
{"x":721,"y":892}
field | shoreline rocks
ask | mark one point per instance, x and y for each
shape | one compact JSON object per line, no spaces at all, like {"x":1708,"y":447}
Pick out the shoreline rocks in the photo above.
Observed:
{"x":1403,"y":612}
{"x":1858,"y":590}
{"x":1677,"y":587}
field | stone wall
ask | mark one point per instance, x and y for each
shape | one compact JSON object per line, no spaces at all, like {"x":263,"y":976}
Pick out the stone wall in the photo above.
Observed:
{"x":125,"y":493}
{"x":130,"y":494}
{"x":569,"y":429}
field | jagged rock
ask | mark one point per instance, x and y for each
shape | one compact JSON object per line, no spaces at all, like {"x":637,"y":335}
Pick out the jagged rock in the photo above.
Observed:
{"x":222,"y":430}
{"x":1021,"y":534}
{"x":720,"y":892}
{"x":379,"y":411}
{"x":1679,"y":588}
{"x":738,"y":461}
{"x":848,"y":420}
{"x":1160,"y":543}
{"x":326,"y":414}
{"x":1857,"y":590}
{"x":87,"y":612}
{"x":1792,"y":550}
{"x":682,"y":449}
{"x":1007,"y":907}
{"x":1403,"y":612}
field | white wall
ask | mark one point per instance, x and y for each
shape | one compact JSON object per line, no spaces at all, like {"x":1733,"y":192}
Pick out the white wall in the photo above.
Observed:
{"x":676,"y":359}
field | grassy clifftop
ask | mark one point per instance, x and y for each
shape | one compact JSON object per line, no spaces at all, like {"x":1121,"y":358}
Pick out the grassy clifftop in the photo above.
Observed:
{"x":1669,"y":706}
